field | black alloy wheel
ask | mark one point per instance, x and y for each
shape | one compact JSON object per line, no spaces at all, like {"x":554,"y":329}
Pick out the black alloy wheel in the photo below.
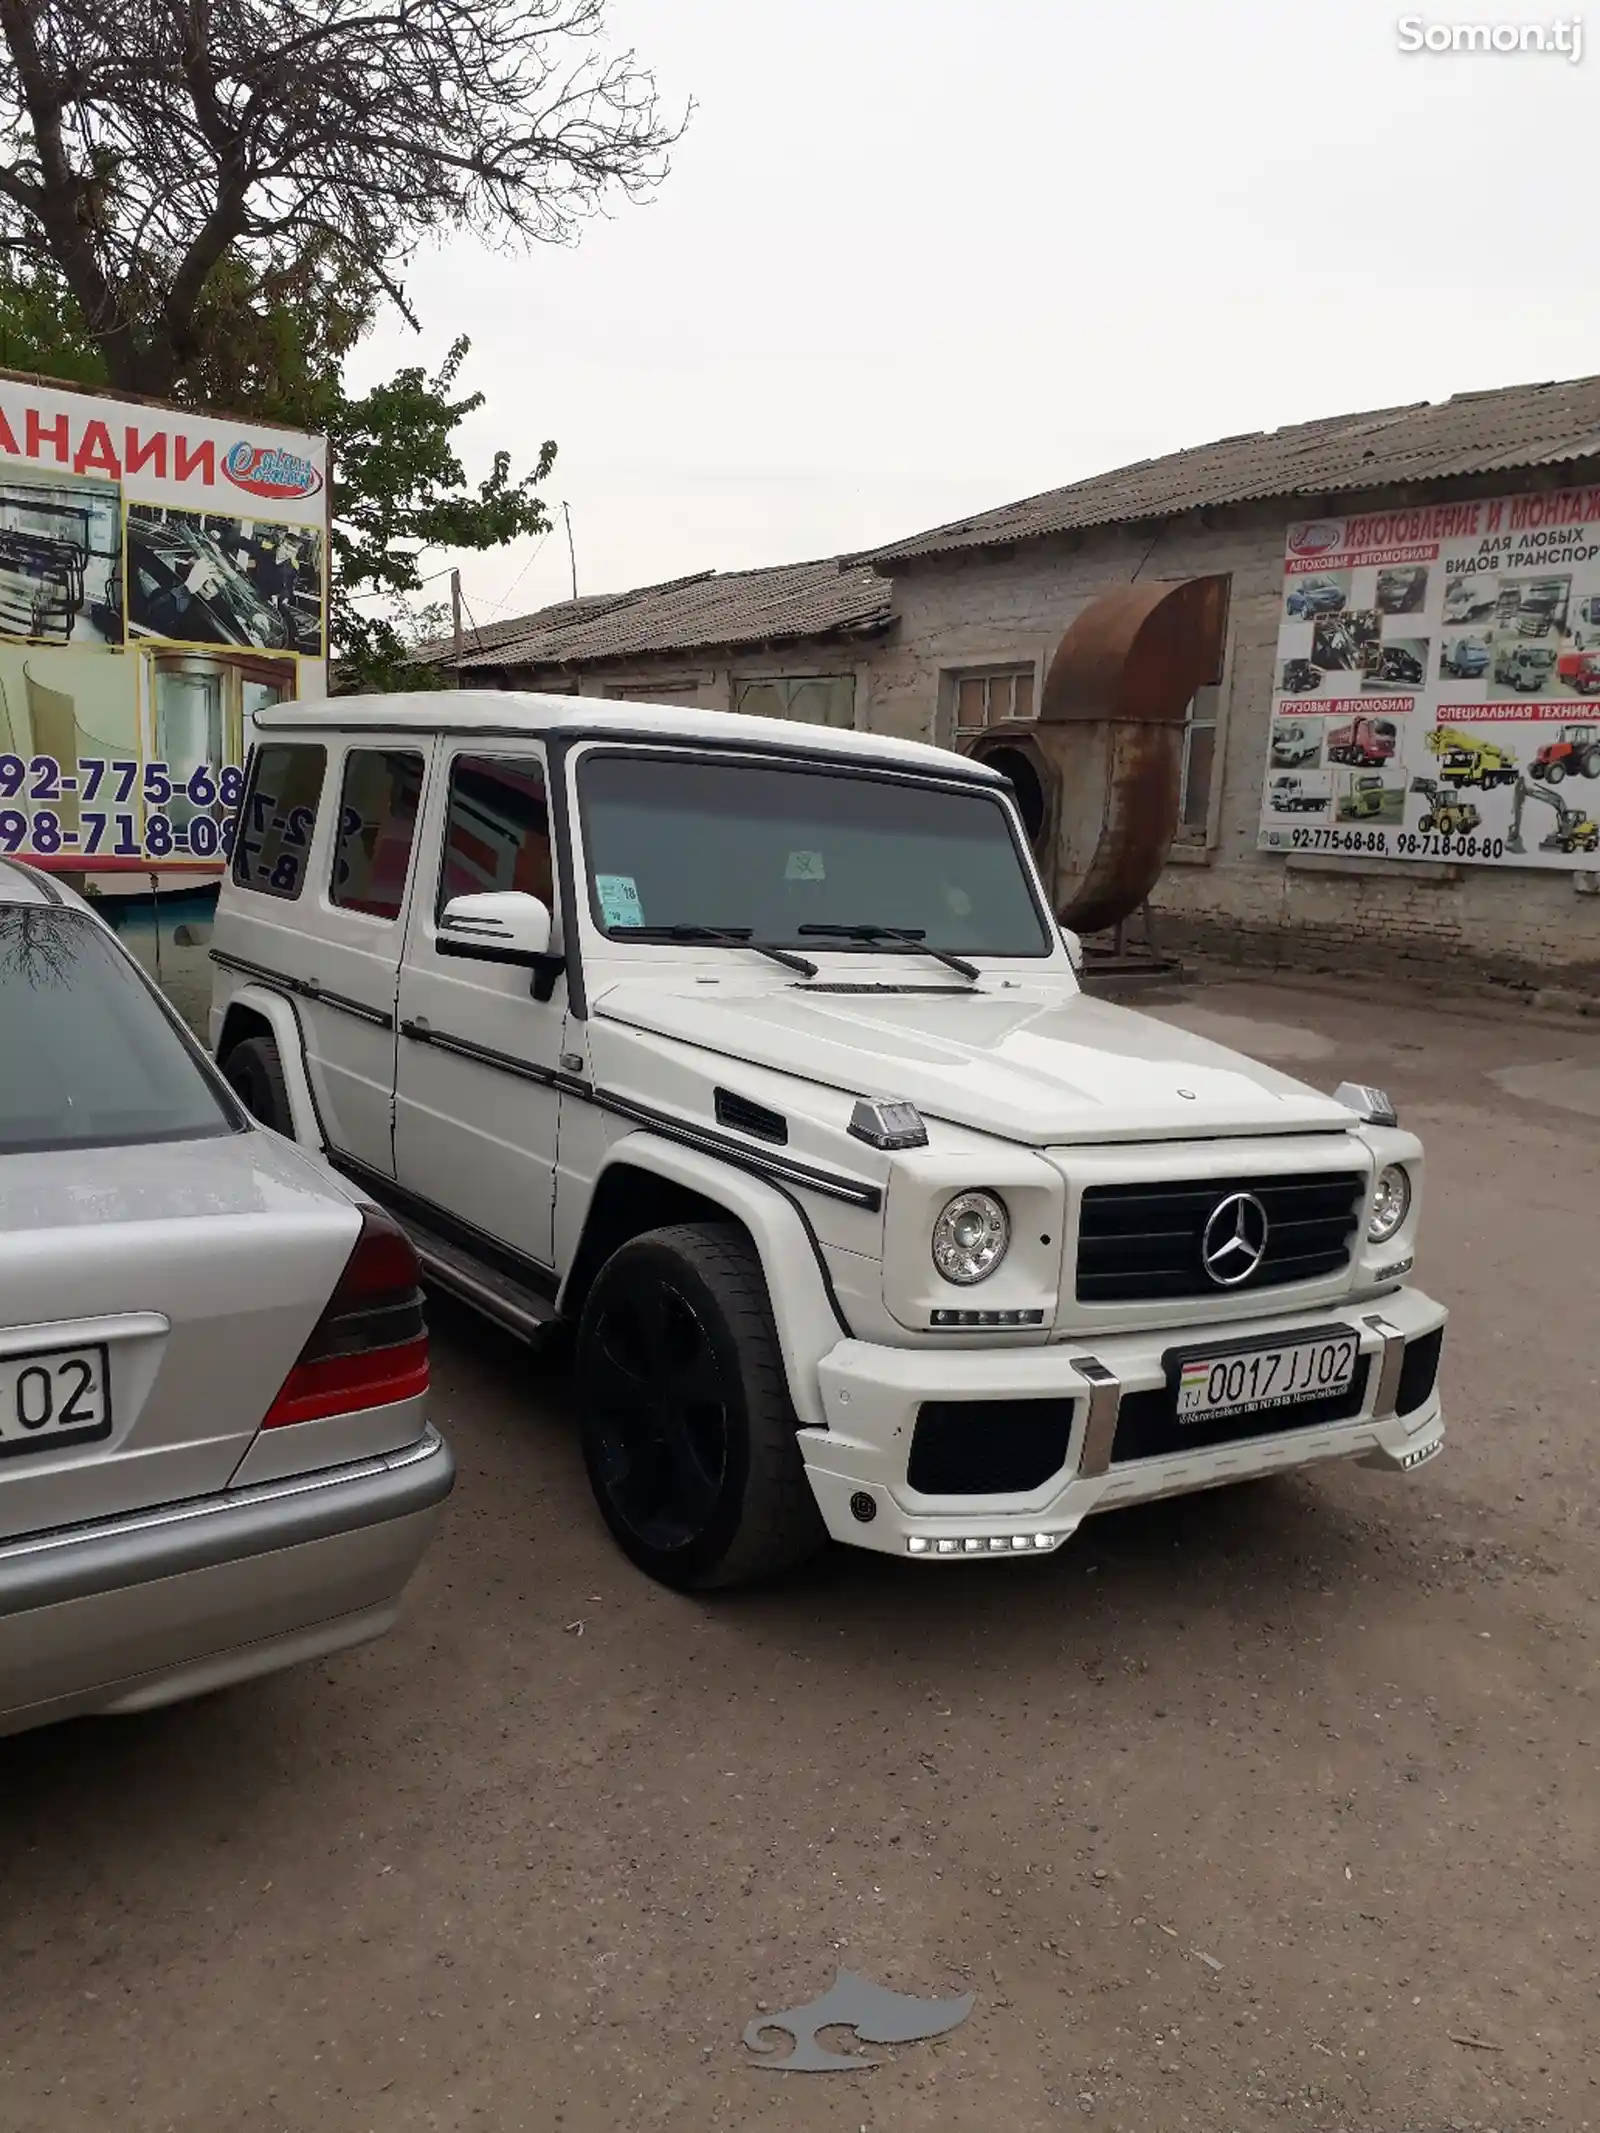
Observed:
{"x":684,"y":1413}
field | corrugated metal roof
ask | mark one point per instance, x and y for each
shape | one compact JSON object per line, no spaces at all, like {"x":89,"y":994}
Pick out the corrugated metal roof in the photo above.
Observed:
{"x":689,"y":614}
{"x":1473,"y":433}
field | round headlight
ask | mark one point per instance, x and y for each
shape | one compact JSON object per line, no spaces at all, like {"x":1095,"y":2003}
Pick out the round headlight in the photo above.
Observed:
{"x":1391,"y":1203}
{"x":970,"y":1237}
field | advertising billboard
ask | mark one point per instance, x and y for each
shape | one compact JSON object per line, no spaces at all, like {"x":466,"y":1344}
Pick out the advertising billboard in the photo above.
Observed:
{"x":163,"y":575}
{"x":1436,"y":693}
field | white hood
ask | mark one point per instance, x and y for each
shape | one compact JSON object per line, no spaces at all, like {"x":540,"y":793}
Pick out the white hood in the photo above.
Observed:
{"x":1029,"y":1065}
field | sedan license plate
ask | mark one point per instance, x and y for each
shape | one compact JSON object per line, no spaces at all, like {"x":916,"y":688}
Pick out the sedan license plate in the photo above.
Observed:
{"x":1250,"y":1379}
{"x":53,"y":1397}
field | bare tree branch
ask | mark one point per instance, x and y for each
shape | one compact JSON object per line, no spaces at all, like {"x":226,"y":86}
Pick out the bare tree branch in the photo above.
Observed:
{"x":145,"y":142}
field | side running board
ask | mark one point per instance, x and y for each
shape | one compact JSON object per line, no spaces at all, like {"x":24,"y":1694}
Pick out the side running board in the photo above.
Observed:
{"x":521,"y":1310}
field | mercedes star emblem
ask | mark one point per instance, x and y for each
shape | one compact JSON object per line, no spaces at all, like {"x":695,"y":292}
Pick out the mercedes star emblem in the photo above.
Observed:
{"x":1234,"y":1240}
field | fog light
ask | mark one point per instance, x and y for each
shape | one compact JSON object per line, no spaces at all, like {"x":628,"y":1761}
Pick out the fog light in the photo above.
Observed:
{"x":916,"y":1545}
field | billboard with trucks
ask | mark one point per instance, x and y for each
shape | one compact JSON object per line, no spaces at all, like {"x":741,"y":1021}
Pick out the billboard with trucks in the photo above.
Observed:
{"x":1454,"y":648}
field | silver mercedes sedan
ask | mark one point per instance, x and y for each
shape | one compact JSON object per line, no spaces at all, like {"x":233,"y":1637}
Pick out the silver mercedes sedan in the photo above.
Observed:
{"x":214,"y":1456}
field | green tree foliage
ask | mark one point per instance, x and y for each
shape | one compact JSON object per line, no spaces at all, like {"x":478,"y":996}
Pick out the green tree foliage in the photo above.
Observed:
{"x":403,"y":496}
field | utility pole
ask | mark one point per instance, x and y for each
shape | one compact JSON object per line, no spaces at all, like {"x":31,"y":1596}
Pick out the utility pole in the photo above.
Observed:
{"x":455,"y":617}
{"x":572,"y":553}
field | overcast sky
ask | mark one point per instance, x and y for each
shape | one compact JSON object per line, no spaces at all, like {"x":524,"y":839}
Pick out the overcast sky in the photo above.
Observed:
{"x":919,"y":257}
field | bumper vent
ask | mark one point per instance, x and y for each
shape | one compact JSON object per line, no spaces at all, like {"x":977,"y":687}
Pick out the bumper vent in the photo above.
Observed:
{"x":988,"y":1447}
{"x":1140,"y":1243}
{"x":1418,"y":1372}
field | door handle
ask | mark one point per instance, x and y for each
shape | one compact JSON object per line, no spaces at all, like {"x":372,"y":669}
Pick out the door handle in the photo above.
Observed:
{"x":416,"y":1026}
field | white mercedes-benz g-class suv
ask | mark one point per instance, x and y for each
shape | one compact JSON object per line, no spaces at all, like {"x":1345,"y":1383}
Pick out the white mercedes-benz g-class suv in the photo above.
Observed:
{"x":754,"y":1051}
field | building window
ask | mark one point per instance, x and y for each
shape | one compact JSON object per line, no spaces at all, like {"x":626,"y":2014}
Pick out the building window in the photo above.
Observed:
{"x":1199,"y":762}
{"x":652,"y":692}
{"x":990,"y":697}
{"x":813,"y":699}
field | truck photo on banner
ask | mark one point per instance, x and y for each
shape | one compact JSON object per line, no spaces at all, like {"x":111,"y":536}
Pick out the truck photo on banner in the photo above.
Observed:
{"x":1436,"y":687}
{"x":163,"y":575}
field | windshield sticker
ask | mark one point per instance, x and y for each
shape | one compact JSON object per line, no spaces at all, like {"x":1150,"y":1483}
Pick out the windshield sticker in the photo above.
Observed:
{"x":619,"y":900}
{"x":805,"y":866}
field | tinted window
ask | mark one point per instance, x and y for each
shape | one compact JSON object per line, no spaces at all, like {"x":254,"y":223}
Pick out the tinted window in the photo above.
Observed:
{"x":497,"y":832}
{"x":377,"y":822}
{"x":89,"y":1059}
{"x":278,"y":818}
{"x":672,"y":843}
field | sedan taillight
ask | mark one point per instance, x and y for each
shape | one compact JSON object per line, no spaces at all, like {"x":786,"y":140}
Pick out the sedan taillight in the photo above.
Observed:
{"x":370,"y":1346}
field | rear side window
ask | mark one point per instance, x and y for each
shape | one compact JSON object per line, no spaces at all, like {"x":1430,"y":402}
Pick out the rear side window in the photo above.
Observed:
{"x":90,"y":1058}
{"x":278,"y":818}
{"x":377,"y":825}
{"x":497,"y":829}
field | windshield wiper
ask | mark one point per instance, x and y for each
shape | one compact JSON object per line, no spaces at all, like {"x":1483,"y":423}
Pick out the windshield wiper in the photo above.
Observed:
{"x":719,"y":936}
{"x":906,"y":936}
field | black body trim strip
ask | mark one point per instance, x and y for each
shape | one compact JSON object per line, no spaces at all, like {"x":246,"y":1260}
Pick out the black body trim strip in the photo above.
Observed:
{"x":531,"y":1273}
{"x":304,"y":989}
{"x":836,"y":1186}
{"x":778,"y":1169}
{"x":505,"y":1062}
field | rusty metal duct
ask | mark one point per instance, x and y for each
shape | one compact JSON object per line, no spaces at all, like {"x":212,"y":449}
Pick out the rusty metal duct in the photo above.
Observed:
{"x":1097,"y":773}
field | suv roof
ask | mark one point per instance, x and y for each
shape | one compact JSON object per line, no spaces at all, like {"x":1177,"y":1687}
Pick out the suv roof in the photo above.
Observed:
{"x":521,"y":713}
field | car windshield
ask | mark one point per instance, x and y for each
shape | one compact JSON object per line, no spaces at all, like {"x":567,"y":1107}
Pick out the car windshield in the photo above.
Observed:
{"x":89,"y":1058}
{"x":790,"y":854}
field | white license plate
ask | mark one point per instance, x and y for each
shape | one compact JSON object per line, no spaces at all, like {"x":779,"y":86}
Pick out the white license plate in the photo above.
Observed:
{"x":53,"y":1396}
{"x":1250,"y":1379}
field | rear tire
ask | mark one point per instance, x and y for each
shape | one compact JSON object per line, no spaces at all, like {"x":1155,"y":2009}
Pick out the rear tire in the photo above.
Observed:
{"x":684,"y":1414}
{"x":255,"y":1074}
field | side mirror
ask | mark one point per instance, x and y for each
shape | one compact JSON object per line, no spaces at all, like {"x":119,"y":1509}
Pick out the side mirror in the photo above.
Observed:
{"x":1074,"y":948}
{"x":499,"y":926}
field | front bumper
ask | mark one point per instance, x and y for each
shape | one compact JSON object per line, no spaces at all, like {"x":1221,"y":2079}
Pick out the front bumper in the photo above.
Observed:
{"x":872,"y":1395}
{"x":128,"y":1613}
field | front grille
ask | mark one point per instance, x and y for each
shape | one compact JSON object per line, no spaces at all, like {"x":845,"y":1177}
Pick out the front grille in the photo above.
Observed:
{"x":1139,"y":1243}
{"x":988,"y":1447}
{"x":1148,"y":1425}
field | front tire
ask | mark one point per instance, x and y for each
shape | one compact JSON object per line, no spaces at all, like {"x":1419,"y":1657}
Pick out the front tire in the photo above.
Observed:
{"x":255,"y":1074}
{"x":684,"y":1414}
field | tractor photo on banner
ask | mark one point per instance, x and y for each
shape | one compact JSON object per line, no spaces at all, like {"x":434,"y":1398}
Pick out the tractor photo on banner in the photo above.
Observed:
{"x":163,"y":576}
{"x":1437,"y":689}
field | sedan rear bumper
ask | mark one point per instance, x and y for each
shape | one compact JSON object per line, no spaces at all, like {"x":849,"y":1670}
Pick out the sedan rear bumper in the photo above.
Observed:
{"x":127,"y":1613}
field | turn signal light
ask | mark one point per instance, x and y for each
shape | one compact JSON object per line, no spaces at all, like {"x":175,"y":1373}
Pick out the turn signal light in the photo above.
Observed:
{"x":370,"y":1346}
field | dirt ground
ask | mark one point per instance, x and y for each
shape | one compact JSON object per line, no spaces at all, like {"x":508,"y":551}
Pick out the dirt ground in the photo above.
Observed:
{"x":1274,"y":1808}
